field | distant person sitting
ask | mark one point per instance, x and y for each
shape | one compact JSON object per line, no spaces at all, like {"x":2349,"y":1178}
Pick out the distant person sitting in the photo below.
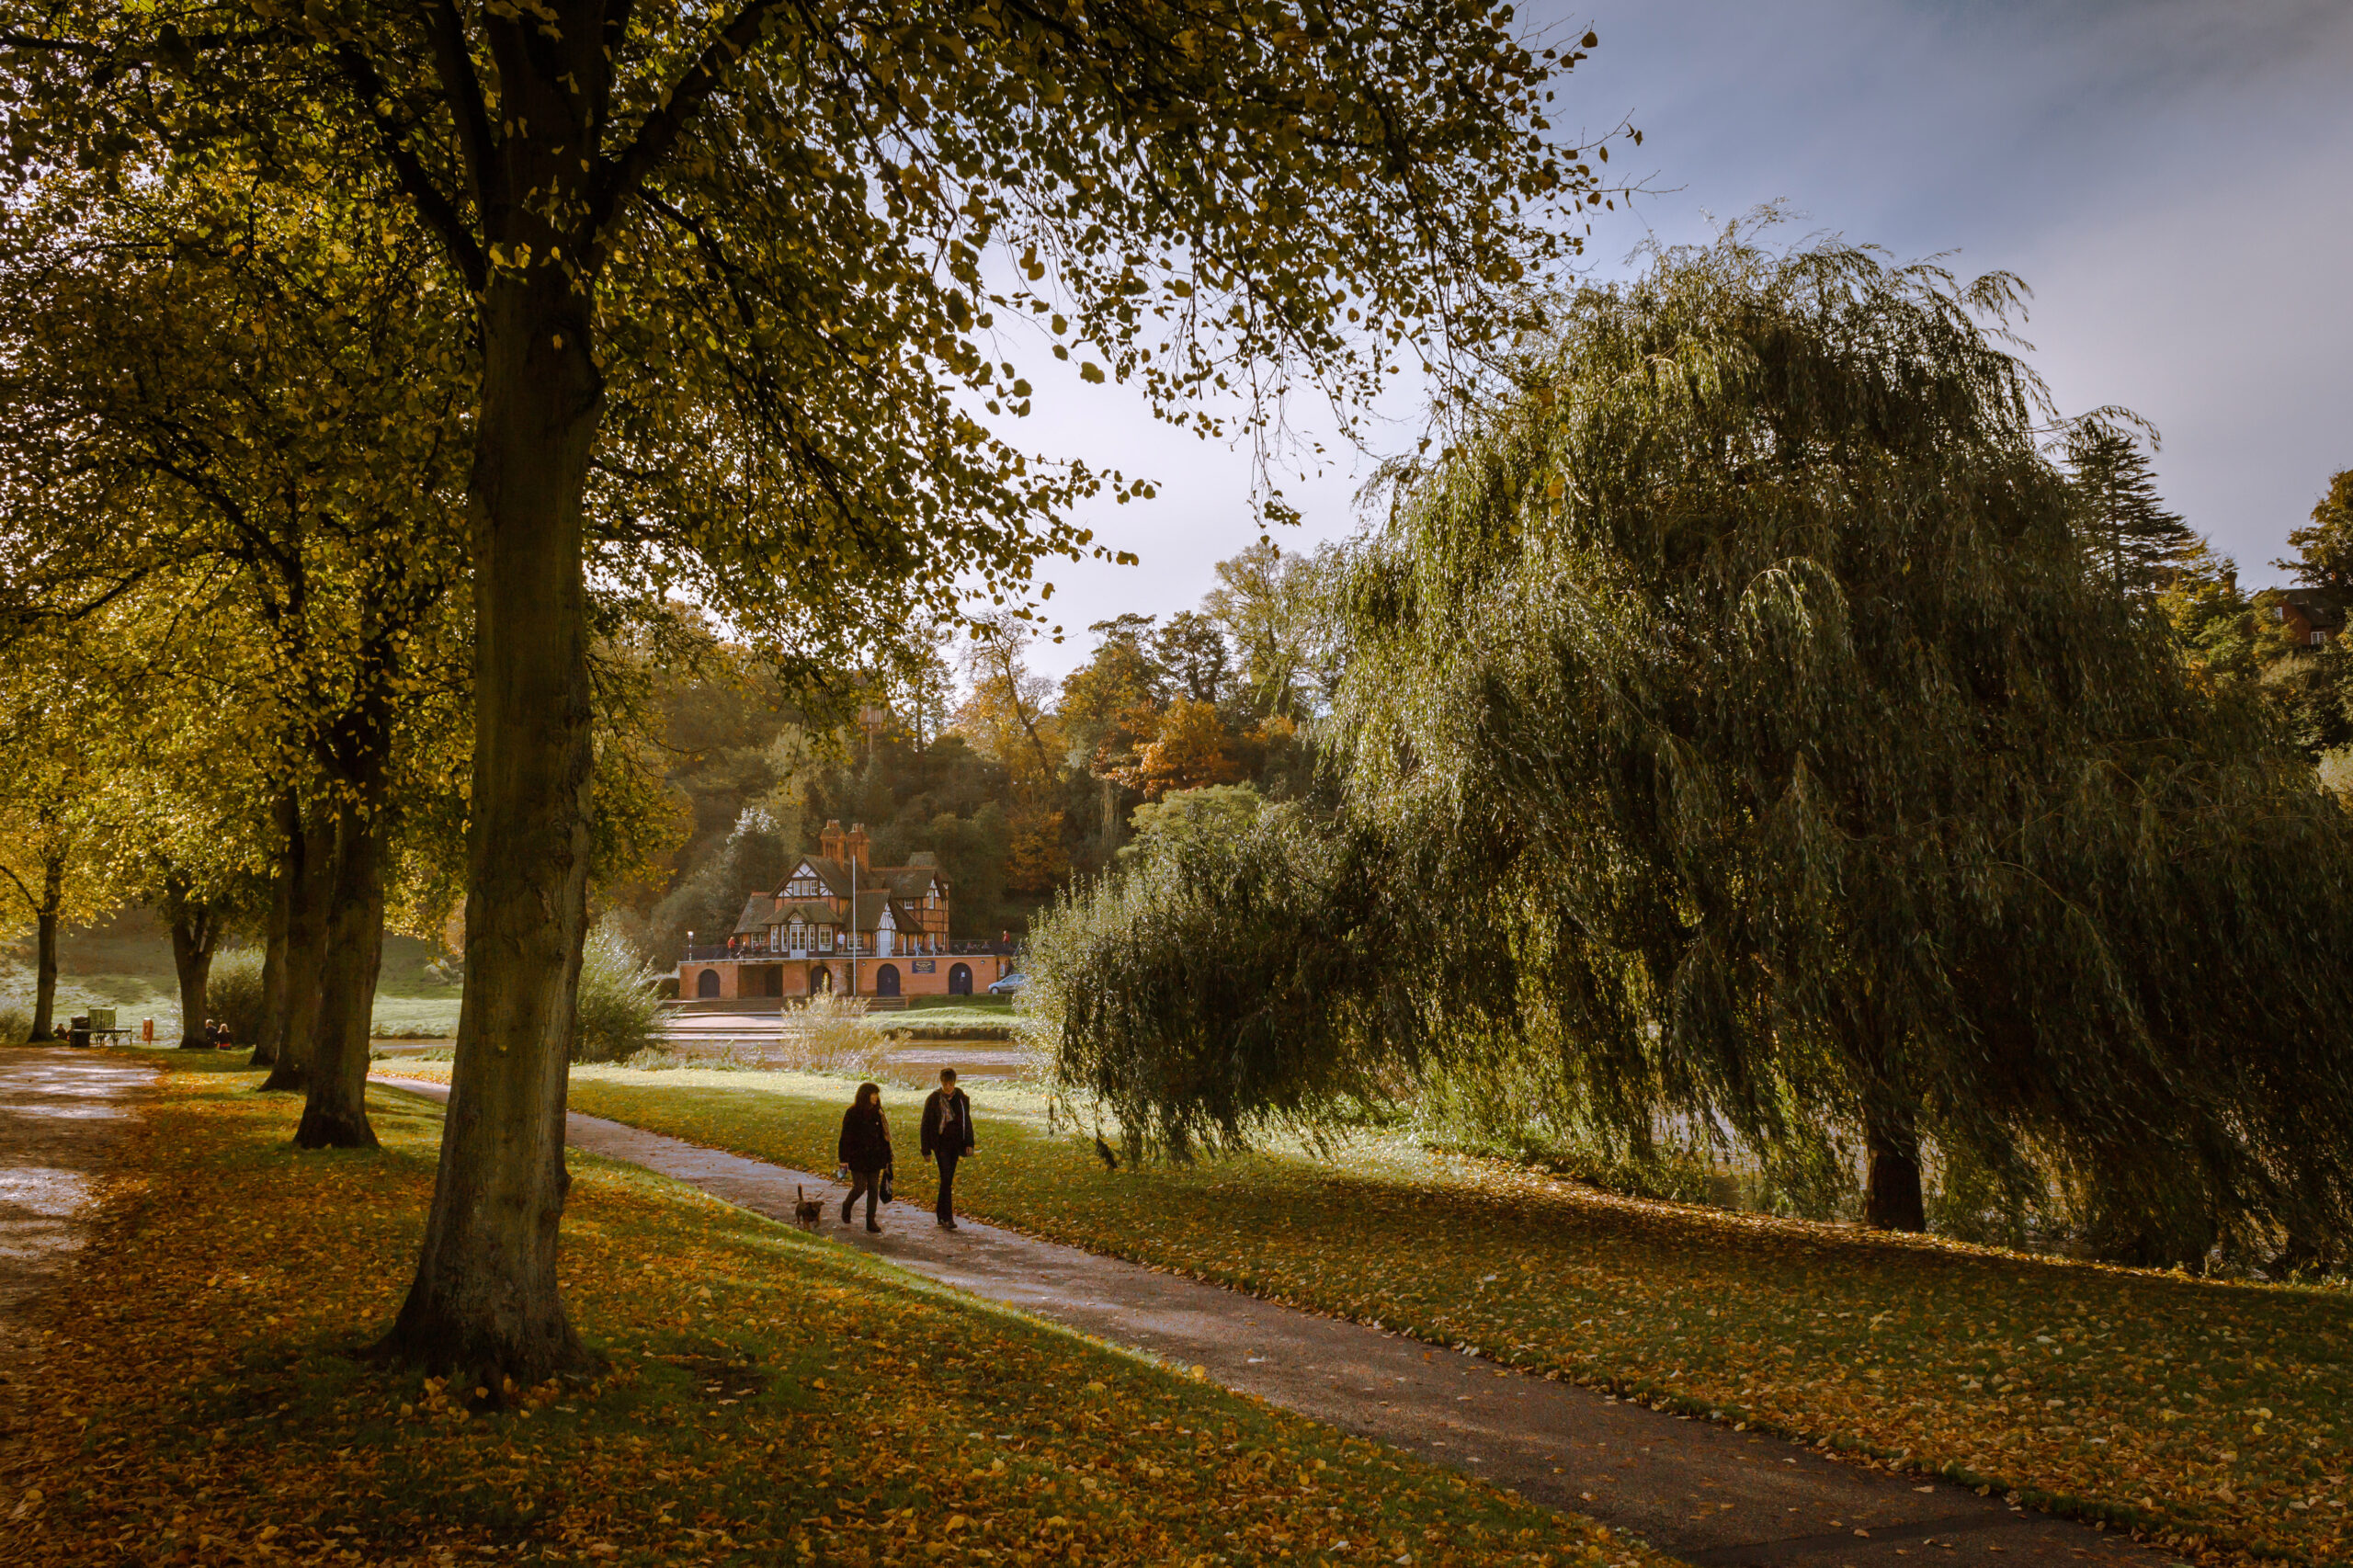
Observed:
{"x":865,"y":1150}
{"x":946,"y":1138}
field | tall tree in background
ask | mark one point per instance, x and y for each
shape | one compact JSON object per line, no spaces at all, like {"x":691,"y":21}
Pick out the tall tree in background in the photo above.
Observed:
{"x":2324,"y":557}
{"x":1009,"y":716}
{"x":2212,"y":616}
{"x":1194,"y":653}
{"x":2137,"y":542}
{"x":1277,"y":607}
{"x":1756,"y":746}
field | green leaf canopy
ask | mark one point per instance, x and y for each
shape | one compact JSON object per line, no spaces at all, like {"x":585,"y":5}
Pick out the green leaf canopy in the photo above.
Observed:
{"x":1733,"y":718}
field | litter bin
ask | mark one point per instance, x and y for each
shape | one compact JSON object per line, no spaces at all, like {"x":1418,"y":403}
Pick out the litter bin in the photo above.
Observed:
{"x":77,"y":1032}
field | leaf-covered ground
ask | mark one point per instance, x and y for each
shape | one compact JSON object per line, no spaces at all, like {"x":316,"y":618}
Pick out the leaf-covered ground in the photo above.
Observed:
{"x":2210,"y":1415}
{"x":770,"y":1398}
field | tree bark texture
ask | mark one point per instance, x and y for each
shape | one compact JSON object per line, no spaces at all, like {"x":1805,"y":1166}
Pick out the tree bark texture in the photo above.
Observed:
{"x":334,"y":1111}
{"x":195,"y":934}
{"x":1892,"y":1195}
{"x":312,"y":852}
{"x":485,"y":1303}
{"x":287,"y":817}
{"x":53,"y":899}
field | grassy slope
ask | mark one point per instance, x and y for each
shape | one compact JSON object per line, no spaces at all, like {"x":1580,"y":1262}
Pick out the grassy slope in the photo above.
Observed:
{"x":2206,"y":1412}
{"x":770,"y":1398}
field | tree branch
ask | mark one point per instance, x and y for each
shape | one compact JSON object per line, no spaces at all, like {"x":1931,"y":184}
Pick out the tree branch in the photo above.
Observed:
{"x":463,"y":87}
{"x":620,"y":175}
{"x":439,"y":207}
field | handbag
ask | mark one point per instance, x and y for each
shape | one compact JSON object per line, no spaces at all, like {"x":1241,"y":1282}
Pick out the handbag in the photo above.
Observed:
{"x":886,"y":1178}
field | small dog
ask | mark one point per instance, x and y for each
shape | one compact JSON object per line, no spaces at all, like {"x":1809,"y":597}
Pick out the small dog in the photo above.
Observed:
{"x":807,"y":1212}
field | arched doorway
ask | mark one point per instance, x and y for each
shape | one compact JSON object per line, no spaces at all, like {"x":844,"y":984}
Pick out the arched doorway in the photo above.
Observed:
{"x":708,"y":986}
{"x":821,"y":980}
{"x":886,"y":980}
{"x":960,"y":980}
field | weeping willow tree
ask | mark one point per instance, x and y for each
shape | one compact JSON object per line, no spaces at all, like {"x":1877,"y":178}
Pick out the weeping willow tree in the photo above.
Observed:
{"x":1735,"y":722}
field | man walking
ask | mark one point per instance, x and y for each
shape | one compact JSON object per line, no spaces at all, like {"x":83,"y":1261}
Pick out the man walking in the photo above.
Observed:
{"x":947,"y":1137}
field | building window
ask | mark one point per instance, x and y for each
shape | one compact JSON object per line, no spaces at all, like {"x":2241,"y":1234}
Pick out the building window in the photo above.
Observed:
{"x":2319,"y":638}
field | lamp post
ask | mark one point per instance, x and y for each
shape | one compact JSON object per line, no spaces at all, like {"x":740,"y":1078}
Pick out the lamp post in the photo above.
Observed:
{"x":853,"y":921}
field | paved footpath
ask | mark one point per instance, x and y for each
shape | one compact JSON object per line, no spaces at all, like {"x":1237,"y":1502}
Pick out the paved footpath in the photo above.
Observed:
{"x":60,"y":1113}
{"x":1700,"y":1491}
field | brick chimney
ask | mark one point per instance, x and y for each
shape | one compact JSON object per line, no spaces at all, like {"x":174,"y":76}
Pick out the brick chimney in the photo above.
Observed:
{"x":855,"y":845}
{"x":829,"y":843}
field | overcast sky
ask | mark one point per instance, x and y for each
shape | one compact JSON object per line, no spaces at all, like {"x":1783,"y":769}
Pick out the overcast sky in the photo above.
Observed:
{"x":2173,"y":179}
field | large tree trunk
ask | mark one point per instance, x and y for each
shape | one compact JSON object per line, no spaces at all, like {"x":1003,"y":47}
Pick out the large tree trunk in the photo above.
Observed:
{"x":335,"y":1116}
{"x":53,"y":899}
{"x":484,"y":1304}
{"x":311,"y":853}
{"x":195,"y":932}
{"x":1891,"y":1198}
{"x":287,"y":819}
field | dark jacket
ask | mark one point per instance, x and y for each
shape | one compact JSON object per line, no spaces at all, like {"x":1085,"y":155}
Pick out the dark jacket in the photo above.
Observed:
{"x":935,"y":1117}
{"x":866,"y":1139}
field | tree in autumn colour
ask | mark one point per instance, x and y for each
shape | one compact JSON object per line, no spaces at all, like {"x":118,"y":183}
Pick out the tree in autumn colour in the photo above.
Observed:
{"x":1758,"y":747}
{"x":182,"y":791}
{"x":260,"y":396}
{"x":1188,"y":749}
{"x":2323,"y":556}
{"x":719,"y":253}
{"x":53,"y":721}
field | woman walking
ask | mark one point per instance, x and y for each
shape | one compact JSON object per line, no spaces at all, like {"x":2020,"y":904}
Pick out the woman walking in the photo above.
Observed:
{"x":865,"y":1150}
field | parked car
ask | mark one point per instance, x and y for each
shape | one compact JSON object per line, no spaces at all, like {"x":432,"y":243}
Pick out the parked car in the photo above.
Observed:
{"x":1010,"y":985}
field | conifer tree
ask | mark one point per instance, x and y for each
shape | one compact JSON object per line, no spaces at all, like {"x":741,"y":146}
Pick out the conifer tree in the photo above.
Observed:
{"x":2137,"y":542}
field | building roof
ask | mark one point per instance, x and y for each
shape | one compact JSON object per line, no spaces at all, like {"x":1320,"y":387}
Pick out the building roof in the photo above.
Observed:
{"x":763,"y":913}
{"x":911,"y":880}
{"x":833,"y":873}
{"x":870,"y":915}
{"x":2323,"y":608}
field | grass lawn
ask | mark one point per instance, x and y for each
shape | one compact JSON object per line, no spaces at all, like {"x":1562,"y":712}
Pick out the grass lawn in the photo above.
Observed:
{"x":2205,"y":1413}
{"x":988,"y":1009}
{"x":417,"y":1016}
{"x":769,"y":1397}
{"x":126,"y":964}
{"x":947,"y":1017}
